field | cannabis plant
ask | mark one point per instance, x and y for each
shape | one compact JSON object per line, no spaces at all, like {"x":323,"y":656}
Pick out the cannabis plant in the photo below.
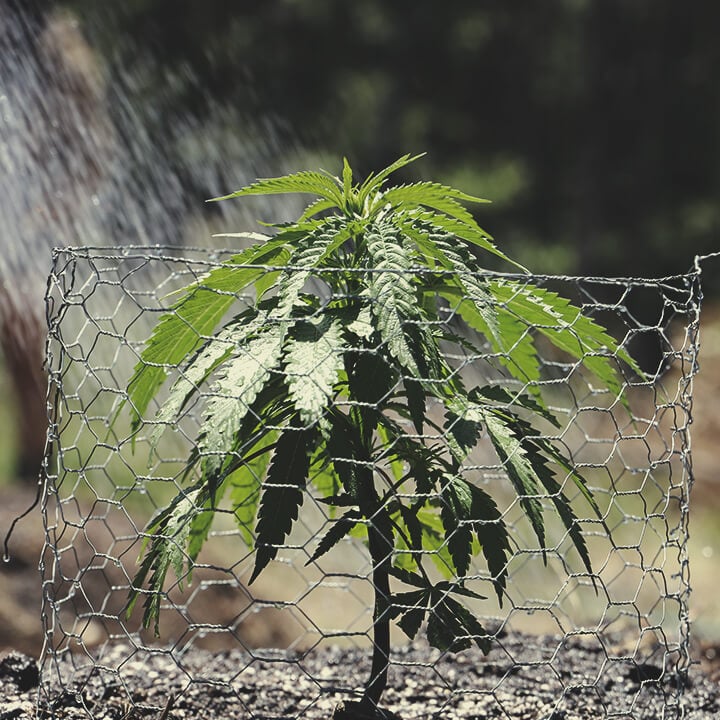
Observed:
{"x":337,"y":376}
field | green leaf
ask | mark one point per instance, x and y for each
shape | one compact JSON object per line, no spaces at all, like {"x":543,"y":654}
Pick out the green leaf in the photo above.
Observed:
{"x":362,"y":325}
{"x":314,"y":183}
{"x":198,"y":533}
{"x":416,"y":404}
{"x":520,"y":470}
{"x":342,"y":454}
{"x":236,"y":387}
{"x":567,"y":328}
{"x":409,"y":578}
{"x":374,"y":182}
{"x":394,"y":302}
{"x":371,"y":377}
{"x":245,"y":484}
{"x":452,"y":627}
{"x":315,"y":208}
{"x":313,"y":359}
{"x":347,"y":177}
{"x":463,"y":422}
{"x":507,"y":397}
{"x":455,"y":513}
{"x":433,"y":195}
{"x":282,"y":495}
{"x":411,"y":621}
{"x":562,"y":506}
{"x":510,"y":339}
{"x":164,"y":549}
{"x":492,"y":535}
{"x":212,"y":354}
{"x":338,"y":530}
{"x":387,"y":440}
{"x":429,"y":229}
{"x":182,"y":329}
{"x":434,"y":540}
{"x":316,"y":246}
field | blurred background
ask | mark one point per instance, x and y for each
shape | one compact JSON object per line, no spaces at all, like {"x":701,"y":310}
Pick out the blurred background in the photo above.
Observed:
{"x":592,"y":125}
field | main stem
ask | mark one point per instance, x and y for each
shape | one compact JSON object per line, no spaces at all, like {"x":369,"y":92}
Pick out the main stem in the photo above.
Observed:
{"x":380,"y":543}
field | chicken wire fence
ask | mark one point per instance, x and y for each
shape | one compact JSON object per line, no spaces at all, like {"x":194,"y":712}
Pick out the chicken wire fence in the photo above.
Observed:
{"x":299,"y":638}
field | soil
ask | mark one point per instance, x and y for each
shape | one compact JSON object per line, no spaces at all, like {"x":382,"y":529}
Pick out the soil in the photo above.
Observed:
{"x":569,"y":679}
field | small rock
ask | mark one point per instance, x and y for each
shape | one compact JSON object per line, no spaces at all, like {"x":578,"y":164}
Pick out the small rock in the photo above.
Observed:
{"x":20,"y":669}
{"x":18,"y":710}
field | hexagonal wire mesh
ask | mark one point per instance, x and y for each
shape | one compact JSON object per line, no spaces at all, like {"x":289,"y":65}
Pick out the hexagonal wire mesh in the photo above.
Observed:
{"x":298,"y":639}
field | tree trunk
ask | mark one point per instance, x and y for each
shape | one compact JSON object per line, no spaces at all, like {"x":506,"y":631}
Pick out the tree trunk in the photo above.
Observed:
{"x":22,"y":346}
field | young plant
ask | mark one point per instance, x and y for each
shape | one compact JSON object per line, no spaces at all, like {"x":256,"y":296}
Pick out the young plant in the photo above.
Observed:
{"x":338,"y":376}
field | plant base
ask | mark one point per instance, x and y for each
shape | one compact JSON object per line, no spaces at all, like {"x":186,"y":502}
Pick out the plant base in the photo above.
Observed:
{"x":360,"y":711}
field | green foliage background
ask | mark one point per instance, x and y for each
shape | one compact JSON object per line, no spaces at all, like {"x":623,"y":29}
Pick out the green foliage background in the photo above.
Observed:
{"x":592,"y":124}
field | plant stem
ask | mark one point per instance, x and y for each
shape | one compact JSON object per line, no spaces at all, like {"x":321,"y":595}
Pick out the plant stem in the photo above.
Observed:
{"x":380,"y":544}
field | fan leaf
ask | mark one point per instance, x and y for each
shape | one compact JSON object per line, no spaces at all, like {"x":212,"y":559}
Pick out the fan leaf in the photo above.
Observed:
{"x":282,"y":495}
{"x":394,"y":302}
{"x":314,"y":183}
{"x":313,"y":359}
{"x":338,"y":530}
{"x":238,"y":384}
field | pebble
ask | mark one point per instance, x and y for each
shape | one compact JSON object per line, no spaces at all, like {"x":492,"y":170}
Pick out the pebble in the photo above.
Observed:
{"x":18,"y":710}
{"x":21,"y":670}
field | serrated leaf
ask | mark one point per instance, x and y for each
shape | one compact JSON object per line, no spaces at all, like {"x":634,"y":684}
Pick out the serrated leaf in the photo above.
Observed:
{"x":374,"y":181}
{"x":282,"y":495}
{"x":340,"y":500}
{"x":192,"y":318}
{"x":457,"y":588}
{"x":198,"y":533}
{"x":362,"y":326}
{"x":409,"y":578}
{"x":215,"y":351}
{"x":411,"y":607}
{"x":314,"y":183}
{"x":245,"y":482}
{"x":433,"y":195}
{"x":315,"y":208}
{"x":394,"y":301}
{"x":338,"y":530}
{"x":427,"y":228}
{"x":444,"y":630}
{"x":387,"y":440}
{"x":519,"y":468}
{"x":237,"y":385}
{"x":316,"y":246}
{"x":509,"y":338}
{"x":562,"y":506}
{"x":416,"y":403}
{"x":434,"y":540}
{"x":470,"y":628}
{"x":411,"y":621}
{"x":493,"y":537}
{"x":455,"y":513}
{"x":567,"y":328}
{"x":504,"y":396}
{"x":164,"y":549}
{"x":463,"y":422}
{"x":313,"y":359}
{"x":347,"y":177}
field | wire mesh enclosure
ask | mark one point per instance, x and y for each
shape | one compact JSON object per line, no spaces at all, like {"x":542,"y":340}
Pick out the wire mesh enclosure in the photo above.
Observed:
{"x":567,"y":636}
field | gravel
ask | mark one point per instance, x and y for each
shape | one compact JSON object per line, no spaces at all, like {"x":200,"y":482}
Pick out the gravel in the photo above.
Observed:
{"x":559,"y":679}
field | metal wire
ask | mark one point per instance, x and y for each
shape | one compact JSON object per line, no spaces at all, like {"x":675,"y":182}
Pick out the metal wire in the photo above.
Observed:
{"x":103,"y":482}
